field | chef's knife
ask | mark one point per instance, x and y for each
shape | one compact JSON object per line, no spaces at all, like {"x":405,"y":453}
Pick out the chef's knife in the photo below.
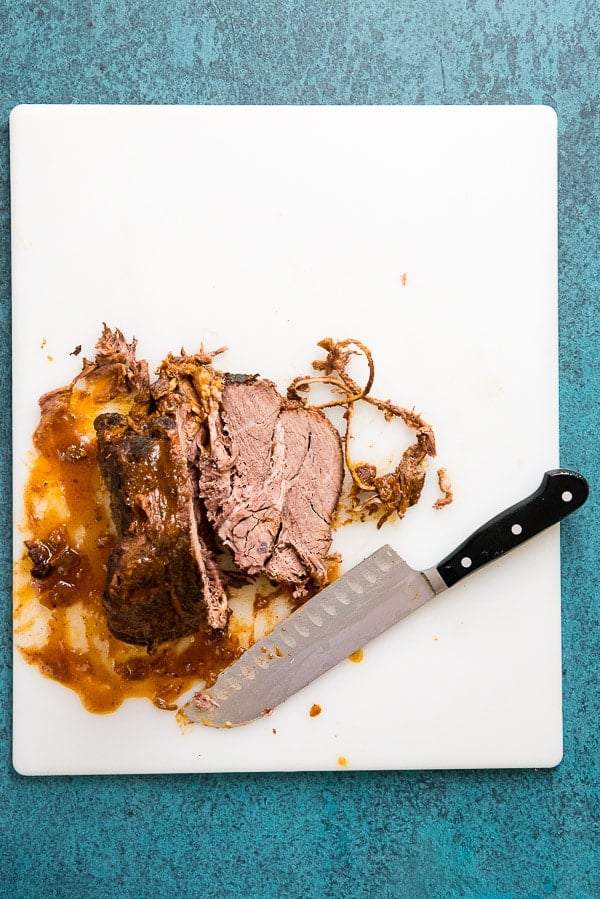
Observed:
{"x":363,"y":603}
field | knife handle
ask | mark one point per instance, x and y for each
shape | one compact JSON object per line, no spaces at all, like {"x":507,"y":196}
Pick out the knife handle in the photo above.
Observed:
{"x":559,"y":494}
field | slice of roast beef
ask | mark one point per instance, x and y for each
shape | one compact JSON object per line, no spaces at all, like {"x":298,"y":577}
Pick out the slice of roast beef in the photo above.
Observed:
{"x":162,"y":580}
{"x":270,"y":481}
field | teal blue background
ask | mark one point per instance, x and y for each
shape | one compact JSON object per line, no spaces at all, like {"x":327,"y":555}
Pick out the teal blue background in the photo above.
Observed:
{"x":446,"y":834}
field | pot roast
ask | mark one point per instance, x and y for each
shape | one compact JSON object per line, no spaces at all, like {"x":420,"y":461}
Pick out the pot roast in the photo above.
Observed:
{"x":212,"y":456}
{"x":149,"y":500}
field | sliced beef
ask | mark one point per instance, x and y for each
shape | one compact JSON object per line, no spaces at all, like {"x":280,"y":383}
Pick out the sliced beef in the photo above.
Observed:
{"x":162,"y":580}
{"x":270,"y":480}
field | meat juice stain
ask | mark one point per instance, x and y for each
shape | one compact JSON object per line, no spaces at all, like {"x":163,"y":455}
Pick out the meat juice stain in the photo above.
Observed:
{"x":102,"y":670}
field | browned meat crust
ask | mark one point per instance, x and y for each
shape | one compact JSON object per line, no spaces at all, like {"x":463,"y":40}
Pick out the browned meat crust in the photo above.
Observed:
{"x":159,"y":586}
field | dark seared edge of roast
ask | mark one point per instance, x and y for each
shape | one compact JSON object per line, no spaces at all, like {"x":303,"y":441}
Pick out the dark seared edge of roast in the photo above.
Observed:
{"x":270,"y":481}
{"x":157,"y":584}
{"x":230,"y":377}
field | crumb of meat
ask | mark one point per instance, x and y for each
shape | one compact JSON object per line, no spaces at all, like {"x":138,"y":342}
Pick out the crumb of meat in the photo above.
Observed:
{"x":203,"y":701}
{"x":445,"y":488}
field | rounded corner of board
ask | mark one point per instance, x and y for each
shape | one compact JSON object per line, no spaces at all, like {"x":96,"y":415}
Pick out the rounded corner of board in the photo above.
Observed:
{"x":549,"y":116}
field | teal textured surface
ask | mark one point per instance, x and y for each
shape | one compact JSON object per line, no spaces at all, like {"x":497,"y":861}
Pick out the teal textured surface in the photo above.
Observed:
{"x":467,"y":834}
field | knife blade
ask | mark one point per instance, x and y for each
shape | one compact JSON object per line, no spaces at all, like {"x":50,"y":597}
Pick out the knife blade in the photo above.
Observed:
{"x":373,"y":596}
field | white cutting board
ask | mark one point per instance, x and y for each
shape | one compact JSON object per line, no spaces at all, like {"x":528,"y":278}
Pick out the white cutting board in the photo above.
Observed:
{"x":428,"y":233}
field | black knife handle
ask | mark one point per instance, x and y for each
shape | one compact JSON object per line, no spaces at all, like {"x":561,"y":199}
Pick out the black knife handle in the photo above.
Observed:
{"x":559,"y":494}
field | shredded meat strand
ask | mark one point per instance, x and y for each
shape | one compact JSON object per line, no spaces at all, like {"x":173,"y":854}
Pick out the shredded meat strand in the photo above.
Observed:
{"x":445,"y":488}
{"x":379,"y":495}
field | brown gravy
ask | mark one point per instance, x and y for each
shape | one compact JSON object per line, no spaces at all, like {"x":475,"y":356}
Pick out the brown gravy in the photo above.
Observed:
{"x":65,"y":499}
